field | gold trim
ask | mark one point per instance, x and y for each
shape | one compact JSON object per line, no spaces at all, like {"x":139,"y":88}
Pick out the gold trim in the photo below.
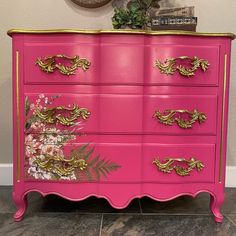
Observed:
{"x":18,"y":116}
{"x":168,"y":166}
{"x":223,"y":118}
{"x":162,"y":32}
{"x":169,"y":66}
{"x":169,"y":117}
{"x":60,"y":115}
{"x":49,"y":64}
{"x":61,"y":166}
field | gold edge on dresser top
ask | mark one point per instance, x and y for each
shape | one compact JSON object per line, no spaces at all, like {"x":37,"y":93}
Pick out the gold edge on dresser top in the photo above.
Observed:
{"x":142,"y":32}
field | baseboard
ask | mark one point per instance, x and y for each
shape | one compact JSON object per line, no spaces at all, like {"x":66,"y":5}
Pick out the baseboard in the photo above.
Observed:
{"x":6,"y":175}
{"x":230,"y":176}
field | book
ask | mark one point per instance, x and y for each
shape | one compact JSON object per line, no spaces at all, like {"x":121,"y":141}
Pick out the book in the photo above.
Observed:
{"x":177,"y":11}
{"x":174,"y":23}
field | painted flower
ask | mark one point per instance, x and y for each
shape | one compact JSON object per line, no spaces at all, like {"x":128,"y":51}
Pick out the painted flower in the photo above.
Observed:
{"x":32,"y":106}
{"x":52,"y":150}
{"x":32,"y":145}
{"x":43,"y":139}
{"x":37,"y":126}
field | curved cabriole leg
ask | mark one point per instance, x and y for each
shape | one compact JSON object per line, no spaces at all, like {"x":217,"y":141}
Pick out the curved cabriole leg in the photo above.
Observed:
{"x":215,"y":205}
{"x":21,"y":204}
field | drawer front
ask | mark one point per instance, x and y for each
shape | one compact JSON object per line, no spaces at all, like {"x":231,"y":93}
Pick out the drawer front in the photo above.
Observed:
{"x":182,"y":163}
{"x":88,"y":160}
{"x":180,"y":114}
{"x":182,"y":65}
{"x":83,"y":113}
{"x":60,"y":63}
{"x":122,"y":64}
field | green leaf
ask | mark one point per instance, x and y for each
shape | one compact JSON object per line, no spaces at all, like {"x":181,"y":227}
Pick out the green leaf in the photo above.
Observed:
{"x":88,"y":154}
{"x":103,"y":173}
{"x":94,"y":160}
{"x":88,"y":175}
{"x":97,"y":174}
{"x":30,"y":121}
{"x":79,"y":151}
{"x":100,"y":163}
{"x":27,"y":105}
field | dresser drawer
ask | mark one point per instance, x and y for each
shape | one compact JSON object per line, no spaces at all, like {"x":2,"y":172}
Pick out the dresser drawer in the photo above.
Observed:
{"x":90,"y":160}
{"x":182,"y":163}
{"x":167,"y":64}
{"x":83,"y":113}
{"x":122,"y":63}
{"x":61,"y":63}
{"x":180,"y":114}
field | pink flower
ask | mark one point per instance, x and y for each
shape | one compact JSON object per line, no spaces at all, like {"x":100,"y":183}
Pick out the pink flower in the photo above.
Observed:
{"x":37,"y":126}
{"x":32,"y":106}
{"x":32,"y":145}
{"x":28,"y":138}
{"x":51,"y":150}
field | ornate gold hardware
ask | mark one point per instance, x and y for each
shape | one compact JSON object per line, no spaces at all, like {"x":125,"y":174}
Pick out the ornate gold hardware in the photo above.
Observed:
{"x":169,"y":67}
{"x":168,"y":166}
{"x":168,"y":117}
{"x":61,"y":166}
{"x":49,"y":64}
{"x":55,"y":114}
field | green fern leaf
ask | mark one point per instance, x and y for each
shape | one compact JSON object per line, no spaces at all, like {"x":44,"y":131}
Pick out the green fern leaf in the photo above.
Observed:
{"x":88,"y":154}
{"x":88,"y":175}
{"x":94,"y":160}
{"x":103,"y":172}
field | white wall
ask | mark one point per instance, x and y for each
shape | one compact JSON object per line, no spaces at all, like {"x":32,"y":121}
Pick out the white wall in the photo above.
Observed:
{"x":214,"y":15}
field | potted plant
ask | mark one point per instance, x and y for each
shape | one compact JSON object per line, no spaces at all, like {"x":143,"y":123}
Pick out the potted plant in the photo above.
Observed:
{"x":135,"y":15}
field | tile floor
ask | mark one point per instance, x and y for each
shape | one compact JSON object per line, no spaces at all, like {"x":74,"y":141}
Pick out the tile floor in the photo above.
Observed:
{"x":53,"y":215}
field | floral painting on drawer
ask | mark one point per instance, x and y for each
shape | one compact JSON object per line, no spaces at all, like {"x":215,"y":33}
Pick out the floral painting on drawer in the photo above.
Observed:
{"x":52,"y":153}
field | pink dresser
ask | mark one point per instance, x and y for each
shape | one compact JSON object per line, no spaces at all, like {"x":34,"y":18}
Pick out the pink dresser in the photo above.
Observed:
{"x":120,"y":115}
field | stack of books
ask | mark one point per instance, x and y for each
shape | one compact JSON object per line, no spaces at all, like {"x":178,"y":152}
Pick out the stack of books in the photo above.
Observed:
{"x":175,"y":19}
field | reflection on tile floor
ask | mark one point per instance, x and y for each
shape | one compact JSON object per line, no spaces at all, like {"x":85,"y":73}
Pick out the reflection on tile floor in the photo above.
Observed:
{"x":182,"y":216}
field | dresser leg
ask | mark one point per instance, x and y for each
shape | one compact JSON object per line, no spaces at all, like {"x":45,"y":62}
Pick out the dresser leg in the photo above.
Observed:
{"x":21,"y":204}
{"x":215,"y":205}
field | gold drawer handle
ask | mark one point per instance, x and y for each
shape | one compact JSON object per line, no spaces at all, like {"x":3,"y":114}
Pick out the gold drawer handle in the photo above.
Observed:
{"x":169,"y":117}
{"x":169,"y":66}
{"x":60,"y":166}
{"x":63,"y":115}
{"x":169,"y":165}
{"x":49,"y":64}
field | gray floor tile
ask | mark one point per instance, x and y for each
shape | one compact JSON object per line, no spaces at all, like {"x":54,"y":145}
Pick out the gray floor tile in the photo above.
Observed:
{"x":6,"y":204}
{"x":232,"y":218}
{"x":229,"y":206}
{"x":147,"y":225}
{"x":44,"y":224}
